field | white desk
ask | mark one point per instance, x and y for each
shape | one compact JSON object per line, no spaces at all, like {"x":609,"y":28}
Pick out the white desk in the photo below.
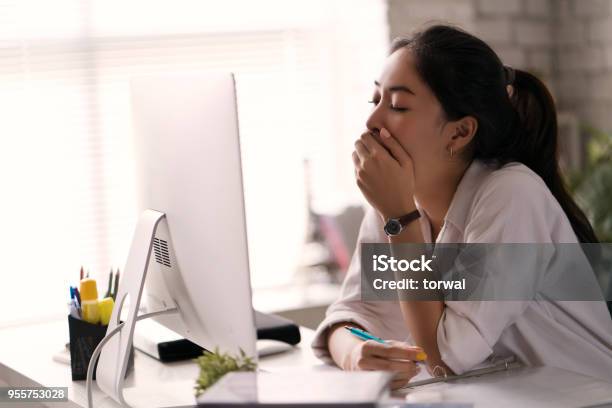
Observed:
{"x":26,"y":360}
{"x":525,"y":387}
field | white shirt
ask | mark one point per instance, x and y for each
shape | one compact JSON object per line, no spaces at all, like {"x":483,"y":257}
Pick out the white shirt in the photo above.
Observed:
{"x":511,"y":204}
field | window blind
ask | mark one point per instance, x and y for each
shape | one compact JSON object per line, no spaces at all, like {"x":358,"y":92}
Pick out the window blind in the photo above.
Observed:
{"x":303,"y":77}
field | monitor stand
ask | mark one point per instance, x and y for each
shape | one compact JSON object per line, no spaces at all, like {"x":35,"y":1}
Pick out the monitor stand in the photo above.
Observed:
{"x":115,"y":349}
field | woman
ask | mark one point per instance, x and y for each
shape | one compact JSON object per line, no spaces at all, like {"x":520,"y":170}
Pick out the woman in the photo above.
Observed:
{"x":468,"y":147}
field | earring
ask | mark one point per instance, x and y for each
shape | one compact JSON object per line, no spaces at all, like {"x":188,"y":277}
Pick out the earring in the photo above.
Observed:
{"x":451,"y":152}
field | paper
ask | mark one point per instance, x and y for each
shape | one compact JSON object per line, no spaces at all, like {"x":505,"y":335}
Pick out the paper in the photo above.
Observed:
{"x":312,"y":386}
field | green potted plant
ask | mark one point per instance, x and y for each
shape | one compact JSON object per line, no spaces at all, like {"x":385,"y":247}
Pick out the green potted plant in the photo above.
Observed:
{"x":592,"y":186}
{"x":215,"y":365}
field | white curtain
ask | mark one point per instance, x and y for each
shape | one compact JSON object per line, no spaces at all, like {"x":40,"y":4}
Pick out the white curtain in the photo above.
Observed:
{"x":304,"y":69}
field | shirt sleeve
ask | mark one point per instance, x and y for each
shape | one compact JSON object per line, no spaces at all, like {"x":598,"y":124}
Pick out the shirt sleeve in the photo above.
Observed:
{"x":381,"y":318}
{"x":509,"y":208}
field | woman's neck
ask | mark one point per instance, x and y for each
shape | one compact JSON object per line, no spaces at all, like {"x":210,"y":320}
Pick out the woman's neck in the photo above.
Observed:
{"x":436,"y":192}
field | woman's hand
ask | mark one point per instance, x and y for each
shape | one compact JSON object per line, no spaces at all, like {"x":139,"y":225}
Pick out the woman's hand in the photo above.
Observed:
{"x":393,"y":356}
{"x":384,"y":173}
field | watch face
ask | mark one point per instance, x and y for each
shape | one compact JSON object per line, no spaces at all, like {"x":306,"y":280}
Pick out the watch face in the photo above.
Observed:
{"x":393,"y":227}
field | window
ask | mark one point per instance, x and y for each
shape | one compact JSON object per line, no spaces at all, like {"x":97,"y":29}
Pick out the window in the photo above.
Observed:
{"x":304,"y":73}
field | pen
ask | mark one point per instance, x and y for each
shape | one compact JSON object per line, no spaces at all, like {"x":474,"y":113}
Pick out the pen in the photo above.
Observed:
{"x":77,"y":295}
{"x":110,"y":284}
{"x":116,"y":286}
{"x":74,"y":310}
{"x":81,"y":274}
{"x":363,"y":335}
{"x":75,"y":303}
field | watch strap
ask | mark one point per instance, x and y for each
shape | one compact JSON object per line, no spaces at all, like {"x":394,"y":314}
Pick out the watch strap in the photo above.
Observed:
{"x":408,"y":218}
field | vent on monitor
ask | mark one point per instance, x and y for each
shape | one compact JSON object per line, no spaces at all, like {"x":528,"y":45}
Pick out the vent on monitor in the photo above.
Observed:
{"x":162,"y":255}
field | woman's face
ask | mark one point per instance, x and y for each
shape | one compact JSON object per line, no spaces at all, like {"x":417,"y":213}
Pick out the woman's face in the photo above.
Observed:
{"x":407,"y":108}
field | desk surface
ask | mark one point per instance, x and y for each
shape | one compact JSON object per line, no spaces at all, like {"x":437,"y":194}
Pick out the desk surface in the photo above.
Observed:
{"x":26,"y":360}
{"x":525,"y":387}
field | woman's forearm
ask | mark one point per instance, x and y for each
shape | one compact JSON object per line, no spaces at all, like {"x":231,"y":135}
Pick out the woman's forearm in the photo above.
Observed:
{"x":420,"y":316}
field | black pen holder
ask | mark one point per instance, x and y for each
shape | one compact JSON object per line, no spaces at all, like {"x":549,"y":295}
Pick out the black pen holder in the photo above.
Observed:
{"x":84,"y":338}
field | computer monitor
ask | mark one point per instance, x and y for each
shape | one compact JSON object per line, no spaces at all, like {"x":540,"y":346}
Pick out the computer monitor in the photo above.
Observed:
{"x":189,"y":251}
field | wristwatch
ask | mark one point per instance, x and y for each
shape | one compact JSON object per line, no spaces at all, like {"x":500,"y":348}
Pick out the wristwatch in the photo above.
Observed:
{"x":395,"y":226}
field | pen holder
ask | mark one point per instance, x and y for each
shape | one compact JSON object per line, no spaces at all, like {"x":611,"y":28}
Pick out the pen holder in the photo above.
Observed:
{"x":84,"y":338}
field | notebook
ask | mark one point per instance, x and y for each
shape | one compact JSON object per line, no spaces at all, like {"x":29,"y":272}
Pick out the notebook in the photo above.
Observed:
{"x":299,"y":388}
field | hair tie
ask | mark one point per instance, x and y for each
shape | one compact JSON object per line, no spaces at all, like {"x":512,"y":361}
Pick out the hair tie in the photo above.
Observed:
{"x":509,"y":73}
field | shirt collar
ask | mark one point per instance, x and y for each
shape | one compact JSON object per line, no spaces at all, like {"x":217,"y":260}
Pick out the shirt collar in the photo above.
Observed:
{"x":462,"y":199}
{"x":464,"y":195}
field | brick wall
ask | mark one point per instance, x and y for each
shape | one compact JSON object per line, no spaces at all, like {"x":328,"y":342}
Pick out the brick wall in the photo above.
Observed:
{"x":583,"y":59}
{"x":567,"y":43}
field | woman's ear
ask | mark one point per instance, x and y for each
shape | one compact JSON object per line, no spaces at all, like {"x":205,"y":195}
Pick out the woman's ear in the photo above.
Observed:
{"x":463,"y":133}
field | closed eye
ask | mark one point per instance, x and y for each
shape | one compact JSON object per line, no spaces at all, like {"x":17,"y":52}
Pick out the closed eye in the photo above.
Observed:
{"x":393,"y":108}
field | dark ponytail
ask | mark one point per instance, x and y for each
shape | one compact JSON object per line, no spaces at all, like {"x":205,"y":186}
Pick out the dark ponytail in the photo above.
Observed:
{"x":538,"y":116}
{"x":468,"y":78}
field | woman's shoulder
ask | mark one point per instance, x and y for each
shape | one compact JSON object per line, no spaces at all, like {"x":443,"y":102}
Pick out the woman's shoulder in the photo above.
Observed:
{"x":514,"y":176}
{"x":512,"y":202}
{"x":512,"y":182}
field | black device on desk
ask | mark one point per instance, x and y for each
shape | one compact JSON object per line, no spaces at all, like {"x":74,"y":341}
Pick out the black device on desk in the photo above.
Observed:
{"x":269,"y":327}
{"x":275,"y":327}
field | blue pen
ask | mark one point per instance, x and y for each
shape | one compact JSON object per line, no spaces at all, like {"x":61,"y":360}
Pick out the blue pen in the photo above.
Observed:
{"x":363,"y":335}
{"x":74,"y":305}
